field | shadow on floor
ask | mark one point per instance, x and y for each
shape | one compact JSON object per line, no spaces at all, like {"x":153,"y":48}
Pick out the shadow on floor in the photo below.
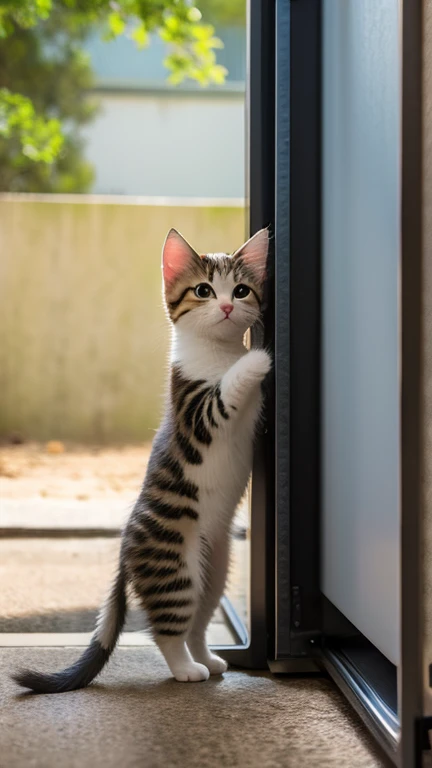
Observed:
{"x":83,"y":620}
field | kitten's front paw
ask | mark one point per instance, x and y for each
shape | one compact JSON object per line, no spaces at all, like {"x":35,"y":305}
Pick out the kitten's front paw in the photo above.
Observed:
{"x":257,"y":363}
{"x":244,"y":377}
{"x":192,"y":672}
{"x":216,"y":665}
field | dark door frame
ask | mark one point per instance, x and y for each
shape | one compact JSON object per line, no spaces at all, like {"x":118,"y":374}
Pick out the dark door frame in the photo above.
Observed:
{"x":284,"y":192}
{"x":260,"y":184}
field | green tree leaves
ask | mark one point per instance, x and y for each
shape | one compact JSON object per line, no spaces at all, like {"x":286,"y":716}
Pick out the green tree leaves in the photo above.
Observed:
{"x":34,"y":137}
{"x":44,"y":76}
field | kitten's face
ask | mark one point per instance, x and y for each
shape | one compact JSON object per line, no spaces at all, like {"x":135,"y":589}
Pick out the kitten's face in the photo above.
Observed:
{"x":216,"y":295}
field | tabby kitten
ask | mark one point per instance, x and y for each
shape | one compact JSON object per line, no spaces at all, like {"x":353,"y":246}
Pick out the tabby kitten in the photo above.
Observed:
{"x":175,"y":546}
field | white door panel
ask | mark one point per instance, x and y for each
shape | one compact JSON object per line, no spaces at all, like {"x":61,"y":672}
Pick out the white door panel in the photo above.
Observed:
{"x":360,"y":316}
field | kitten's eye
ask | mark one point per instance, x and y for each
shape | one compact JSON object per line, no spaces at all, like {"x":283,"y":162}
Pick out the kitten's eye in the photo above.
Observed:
{"x":241,"y":291}
{"x":203,"y":291}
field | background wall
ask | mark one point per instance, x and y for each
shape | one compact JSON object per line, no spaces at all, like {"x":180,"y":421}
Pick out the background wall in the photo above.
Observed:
{"x":83,"y":336}
{"x":164,"y":143}
{"x":151,"y":138}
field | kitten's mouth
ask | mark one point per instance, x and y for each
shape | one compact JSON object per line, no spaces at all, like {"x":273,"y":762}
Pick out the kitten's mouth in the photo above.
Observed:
{"x":227,"y":317}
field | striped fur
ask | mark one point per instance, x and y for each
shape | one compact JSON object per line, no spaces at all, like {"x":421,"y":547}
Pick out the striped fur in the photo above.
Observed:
{"x":175,"y":546}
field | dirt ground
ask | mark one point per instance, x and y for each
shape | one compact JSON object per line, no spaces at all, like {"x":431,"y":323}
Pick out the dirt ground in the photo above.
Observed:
{"x":64,"y":471}
{"x":98,"y":483}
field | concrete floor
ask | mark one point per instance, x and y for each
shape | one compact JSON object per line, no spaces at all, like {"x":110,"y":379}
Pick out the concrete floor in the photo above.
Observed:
{"x":137,"y":716}
{"x":55,"y":582}
{"x":57,"y":586}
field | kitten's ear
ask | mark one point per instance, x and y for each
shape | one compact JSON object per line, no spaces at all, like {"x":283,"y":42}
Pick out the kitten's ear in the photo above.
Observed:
{"x":177,"y":257}
{"x":254,"y":254}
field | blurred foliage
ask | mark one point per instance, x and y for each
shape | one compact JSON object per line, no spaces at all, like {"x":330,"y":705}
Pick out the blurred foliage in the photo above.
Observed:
{"x":44,"y":76}
{"x":223,"y":12}
{"x":38,"y":139}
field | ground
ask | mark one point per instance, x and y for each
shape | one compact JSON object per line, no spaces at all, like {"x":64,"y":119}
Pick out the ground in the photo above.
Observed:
{"x":63,"y":471}
{"x":61,"y":510}
{"x":135,"y":716}
{"x":53,"y":576}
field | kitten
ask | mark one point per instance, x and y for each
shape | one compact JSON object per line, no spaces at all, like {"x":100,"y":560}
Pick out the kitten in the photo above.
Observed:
{"x":175,"y":546}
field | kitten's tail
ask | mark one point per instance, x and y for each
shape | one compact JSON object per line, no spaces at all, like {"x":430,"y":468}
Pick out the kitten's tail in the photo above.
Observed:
{"x":110,"y":623}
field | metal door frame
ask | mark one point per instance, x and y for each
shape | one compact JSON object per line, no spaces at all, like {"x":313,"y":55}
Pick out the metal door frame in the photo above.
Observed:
{"x":260,"y":185}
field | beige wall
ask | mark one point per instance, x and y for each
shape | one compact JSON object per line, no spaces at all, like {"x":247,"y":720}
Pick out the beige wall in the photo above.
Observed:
{"x":83,"y":336}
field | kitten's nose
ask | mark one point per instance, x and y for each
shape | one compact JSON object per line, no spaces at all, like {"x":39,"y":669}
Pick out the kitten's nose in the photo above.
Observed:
{"x":227,"y":308}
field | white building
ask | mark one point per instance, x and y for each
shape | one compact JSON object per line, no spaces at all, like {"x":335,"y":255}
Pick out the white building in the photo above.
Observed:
{"x":153,"y":139}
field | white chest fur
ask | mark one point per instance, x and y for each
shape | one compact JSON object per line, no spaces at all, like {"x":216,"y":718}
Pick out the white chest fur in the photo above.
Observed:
{"x":223,"y":475}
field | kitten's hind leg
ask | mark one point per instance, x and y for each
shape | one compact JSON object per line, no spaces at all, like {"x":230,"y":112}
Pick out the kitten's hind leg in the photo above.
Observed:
{"x":180,"y":661}
{"x":216,"y":573}
{"x":166,"y":580}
